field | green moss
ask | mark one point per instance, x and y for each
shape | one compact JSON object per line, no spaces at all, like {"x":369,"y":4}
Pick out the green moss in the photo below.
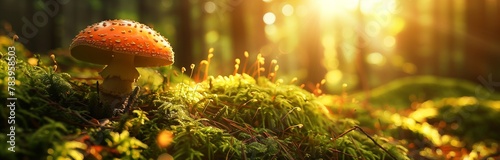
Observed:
{"x":402,"y":92}
{"x":475,"y":121}
{"x":224,"y":117}
{"x":237,"y":117}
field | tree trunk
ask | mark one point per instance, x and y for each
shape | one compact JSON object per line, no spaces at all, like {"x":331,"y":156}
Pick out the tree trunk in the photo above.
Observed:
{"x":476,"y":40}
{"x":184,"y":34}
{"x":311,"y":49}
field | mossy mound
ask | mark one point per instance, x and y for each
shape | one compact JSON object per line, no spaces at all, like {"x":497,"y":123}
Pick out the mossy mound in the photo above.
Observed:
{"x":442,"y":127}
{"x":233,"y":117}
{"x":402,"y":92}
{"x":236,"y":117}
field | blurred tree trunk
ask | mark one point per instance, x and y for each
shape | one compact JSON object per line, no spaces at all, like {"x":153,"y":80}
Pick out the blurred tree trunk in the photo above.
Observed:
{"x":238,"y":29}
{"x":13,"y":24}
{"x":43,"y":20}
{"x":32,"y":45}
{"x":480,"y":46}
{"x":341,"y":56}
{"x":493,"y":23}
{"x":55,"y":27}
{"x":362,"y":70}
{"x":459,"y":26}
{"x":457,"y":38}
{"x":408,"y":38}
{"x":311,"y":49}
{"x":199,"y":49}
{"x":77,"y":15}
{"x":255,"y":26}
{"x":442,"y":33}
{"x":427,"y":48}
{"x":184,"y":34}
{"x":247,"y":34}
{"x":109,"y":8}
{"x":148,"y":12}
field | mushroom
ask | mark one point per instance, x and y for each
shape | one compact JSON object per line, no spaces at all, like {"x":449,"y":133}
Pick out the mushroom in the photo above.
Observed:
{"x":122,"y":45}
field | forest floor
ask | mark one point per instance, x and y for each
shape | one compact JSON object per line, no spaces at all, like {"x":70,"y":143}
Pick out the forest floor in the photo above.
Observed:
{"x":54,"y":114}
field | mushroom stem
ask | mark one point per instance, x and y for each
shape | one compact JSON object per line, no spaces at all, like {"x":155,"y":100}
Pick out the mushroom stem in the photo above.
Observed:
{"x":119,"y":75}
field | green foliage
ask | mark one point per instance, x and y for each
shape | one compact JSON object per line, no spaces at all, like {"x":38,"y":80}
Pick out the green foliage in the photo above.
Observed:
{"x":68,"y":149}
{"x":129,"y":147}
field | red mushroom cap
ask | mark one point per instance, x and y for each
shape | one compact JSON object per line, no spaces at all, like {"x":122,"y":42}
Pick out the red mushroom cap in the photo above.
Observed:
{"x":99,"y":42}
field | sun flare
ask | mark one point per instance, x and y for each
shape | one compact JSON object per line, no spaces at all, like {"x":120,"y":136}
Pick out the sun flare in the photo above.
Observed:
{"x":333,"y":7}
{"x":336,"y":7}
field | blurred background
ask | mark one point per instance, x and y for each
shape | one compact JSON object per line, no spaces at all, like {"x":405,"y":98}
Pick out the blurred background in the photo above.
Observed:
{"x":362,"y":43}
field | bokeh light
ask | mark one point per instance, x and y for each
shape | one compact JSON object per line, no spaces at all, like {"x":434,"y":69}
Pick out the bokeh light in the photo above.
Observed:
{"x":373,"y":28}
{"x":165,"y":138}
{"x":409,"y":68}
{"x":271,"y":32}
{"x":375,"y":58}
{"x":389,"y":41}
{"x":210,"y":7}
{"x":211,"y":36}
{"x":269,"y":18}
{"x":334,"y":76}
{"x":287,"y":10}
{"x":331,"y":7}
